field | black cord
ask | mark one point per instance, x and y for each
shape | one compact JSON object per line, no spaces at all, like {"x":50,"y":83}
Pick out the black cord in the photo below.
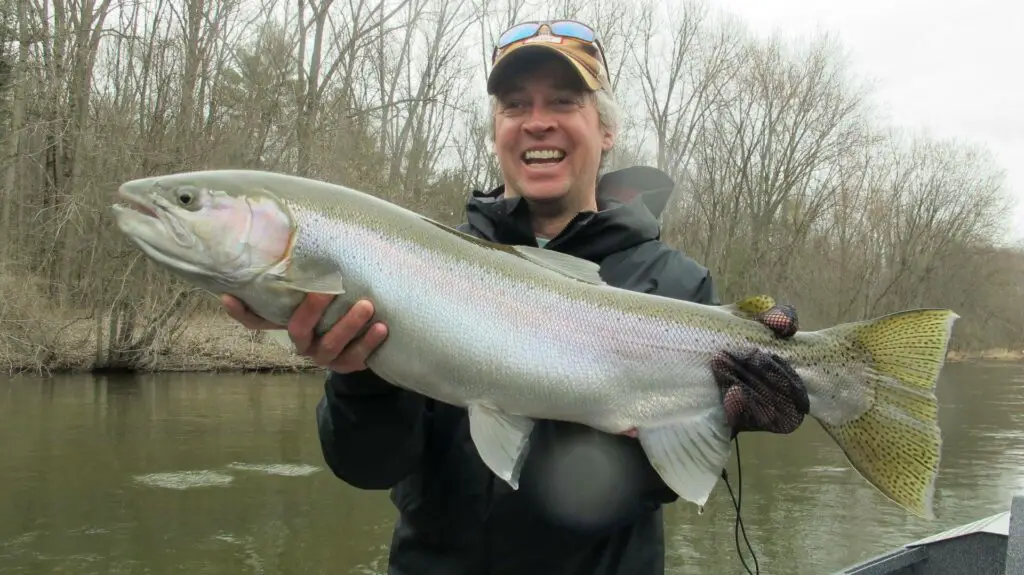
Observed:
{"x":737,"y":501}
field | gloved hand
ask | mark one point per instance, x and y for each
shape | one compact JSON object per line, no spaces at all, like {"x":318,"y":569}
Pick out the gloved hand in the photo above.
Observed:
{"x":760,"y":390}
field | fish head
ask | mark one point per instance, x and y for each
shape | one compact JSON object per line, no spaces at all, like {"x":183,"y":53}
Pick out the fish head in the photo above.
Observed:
{"x":206,"y":230}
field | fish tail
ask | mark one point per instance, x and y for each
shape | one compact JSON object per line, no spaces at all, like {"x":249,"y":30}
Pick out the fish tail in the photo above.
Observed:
{"x":884,"y":413}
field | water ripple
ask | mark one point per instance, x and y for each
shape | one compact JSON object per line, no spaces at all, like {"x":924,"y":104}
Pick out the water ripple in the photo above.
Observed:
{"x":282,"y":469}
{"x":185,"y":479}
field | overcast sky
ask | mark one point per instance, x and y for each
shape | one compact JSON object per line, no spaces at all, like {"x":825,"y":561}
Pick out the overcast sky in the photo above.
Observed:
{"x":952,"y":67}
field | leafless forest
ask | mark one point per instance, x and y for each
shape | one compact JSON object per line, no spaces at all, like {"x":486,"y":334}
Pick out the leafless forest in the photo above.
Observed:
{"x":790,"y":180}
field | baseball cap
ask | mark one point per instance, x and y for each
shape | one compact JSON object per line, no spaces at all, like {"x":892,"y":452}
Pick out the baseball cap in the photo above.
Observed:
{"x":573,"y":41}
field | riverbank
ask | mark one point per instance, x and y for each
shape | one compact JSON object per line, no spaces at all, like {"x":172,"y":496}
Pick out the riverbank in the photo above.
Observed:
{"x":38,"y":337}
{"x":997,"y":354}
{"x":214,"y":345}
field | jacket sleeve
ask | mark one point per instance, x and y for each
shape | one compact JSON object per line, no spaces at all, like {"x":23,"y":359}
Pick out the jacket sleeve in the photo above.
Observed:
{"x":705,"y":292}
{"x":681,"y":277}
{"x":371,"y":432}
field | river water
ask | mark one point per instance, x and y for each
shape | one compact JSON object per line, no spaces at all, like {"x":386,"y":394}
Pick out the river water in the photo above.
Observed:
{"x":223,"y":474}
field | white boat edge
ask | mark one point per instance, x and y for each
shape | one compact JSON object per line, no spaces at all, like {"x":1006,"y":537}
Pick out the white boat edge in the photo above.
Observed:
{"x":993,"y":545}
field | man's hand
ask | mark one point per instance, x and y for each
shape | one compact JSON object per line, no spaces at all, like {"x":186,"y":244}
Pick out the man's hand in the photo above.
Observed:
{"x":781,"y":319}
{"x":760,"y":390}
{"x":339,"y":349}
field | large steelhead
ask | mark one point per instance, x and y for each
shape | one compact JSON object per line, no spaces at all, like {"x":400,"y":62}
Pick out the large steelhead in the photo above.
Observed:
{"x":521,"y":333}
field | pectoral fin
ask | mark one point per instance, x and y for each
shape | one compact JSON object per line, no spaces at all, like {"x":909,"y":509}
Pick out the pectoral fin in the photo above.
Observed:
{"x":501,"y":439}
{"x":690,"y":454}
{"x":309,"y":276}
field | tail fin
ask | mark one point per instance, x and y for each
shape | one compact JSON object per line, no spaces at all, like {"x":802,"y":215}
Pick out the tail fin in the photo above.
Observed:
{"x":895,"y":444}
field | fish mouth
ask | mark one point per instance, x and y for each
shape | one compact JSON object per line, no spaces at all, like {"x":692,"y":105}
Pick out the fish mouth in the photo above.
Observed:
{"x":134,"y":202}
{"x":143,"y":216}
{"x":150,"y":209}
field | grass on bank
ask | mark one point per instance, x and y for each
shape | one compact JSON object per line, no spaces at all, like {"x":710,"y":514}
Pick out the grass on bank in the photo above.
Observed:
{"x":40,"y":338}
{"x":203,"y":346}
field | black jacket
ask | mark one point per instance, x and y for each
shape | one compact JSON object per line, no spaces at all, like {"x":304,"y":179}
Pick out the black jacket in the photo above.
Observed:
{"x":589,"y":503}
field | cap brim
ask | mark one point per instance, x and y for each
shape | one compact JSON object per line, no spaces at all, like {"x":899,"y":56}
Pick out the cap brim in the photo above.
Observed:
{"x":521,"y":50}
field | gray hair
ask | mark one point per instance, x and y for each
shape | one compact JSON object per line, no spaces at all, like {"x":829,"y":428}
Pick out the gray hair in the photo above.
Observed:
{"x":609,"y":115}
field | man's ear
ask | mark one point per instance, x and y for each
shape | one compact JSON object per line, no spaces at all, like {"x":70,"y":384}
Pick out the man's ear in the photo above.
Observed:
{"x":608,"y":140}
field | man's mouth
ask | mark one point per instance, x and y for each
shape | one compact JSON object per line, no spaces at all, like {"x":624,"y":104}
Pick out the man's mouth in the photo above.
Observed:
{"x":543,"y":157}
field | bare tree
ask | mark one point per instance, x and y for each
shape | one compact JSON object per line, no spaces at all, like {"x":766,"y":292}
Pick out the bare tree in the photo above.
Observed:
{"x":786,"y":184}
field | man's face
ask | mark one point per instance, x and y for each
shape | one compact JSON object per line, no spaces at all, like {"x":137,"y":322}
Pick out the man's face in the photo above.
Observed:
{"x":547,"y":135}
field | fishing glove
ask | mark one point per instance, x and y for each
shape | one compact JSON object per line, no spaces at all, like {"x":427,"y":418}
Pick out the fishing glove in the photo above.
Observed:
{"x":760,"y":390}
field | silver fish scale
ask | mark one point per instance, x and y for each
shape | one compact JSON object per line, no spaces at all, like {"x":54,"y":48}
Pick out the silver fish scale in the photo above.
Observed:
{"x":507,"y":339}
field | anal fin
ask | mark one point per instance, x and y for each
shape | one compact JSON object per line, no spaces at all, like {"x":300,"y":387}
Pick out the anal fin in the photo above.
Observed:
{"x":501,"y":439}
{"x":689,"y":455}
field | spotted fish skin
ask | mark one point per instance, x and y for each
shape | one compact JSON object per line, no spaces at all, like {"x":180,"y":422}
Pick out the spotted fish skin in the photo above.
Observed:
{"x":516,"y":334}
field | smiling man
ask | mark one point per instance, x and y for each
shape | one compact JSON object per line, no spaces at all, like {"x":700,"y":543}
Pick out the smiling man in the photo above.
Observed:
{"x":588,"y":502}
{"x":549,"y":136}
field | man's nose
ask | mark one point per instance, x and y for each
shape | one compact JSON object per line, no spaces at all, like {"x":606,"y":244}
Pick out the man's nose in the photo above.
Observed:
{"x":540,"y":120}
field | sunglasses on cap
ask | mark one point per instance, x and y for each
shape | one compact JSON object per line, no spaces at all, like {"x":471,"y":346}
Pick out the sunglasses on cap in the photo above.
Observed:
{"x":563,"y":28}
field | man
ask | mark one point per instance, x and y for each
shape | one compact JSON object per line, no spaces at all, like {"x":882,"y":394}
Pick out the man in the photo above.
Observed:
{"x":588,"y":502}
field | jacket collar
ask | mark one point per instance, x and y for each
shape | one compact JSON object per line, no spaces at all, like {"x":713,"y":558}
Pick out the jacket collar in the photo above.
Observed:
{"x":630,"y":203}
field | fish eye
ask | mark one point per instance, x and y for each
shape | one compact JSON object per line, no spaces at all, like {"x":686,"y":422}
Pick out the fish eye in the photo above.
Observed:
{"x":186,"y":196}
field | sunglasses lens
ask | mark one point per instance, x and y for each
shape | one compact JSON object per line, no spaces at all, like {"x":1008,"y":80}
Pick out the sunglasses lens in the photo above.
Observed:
{"x":517,"y":33}
{"x":573,"y":30}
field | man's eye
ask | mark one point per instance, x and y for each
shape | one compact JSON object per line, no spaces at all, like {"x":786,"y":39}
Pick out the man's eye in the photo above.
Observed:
{"x":513,"y":106}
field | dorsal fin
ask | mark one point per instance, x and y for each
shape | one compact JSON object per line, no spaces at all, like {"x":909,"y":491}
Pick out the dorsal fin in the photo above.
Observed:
{"x":565,"y":264}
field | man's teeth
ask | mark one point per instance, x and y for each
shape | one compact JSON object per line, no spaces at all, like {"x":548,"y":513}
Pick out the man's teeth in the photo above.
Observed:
{"x":533,"y":155}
